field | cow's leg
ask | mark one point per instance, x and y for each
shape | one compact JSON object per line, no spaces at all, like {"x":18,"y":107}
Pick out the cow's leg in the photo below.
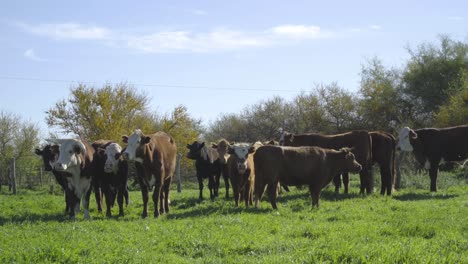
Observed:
{"x":386,"y":178}
{"x":346,"y":182}
{"x":156,"y":197}
{"x":120,"y":197}
{"x":272,"y":194}
{"x":259,"y":189}
{"x":211,"y":186}
{"x":166,"y":189}
{"x":86,"y":204}
{"x":216,"y":182}
{"x":337,"y":183}
{"x":315,"y":194}
{"x":125,"y":194}
{"x":144,"y":194}
{"x":369,"y":181}
{"x":226,"y":179}
{"x":200,"y":186}
{"x":236,"y":193}
{"x":433,"y":175}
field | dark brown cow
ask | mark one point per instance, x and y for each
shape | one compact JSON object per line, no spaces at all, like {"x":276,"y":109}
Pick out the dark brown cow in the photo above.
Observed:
{"x":154,"y":157}
{"x":432,"y":146}
{"x":75,"y":158}
{"x":383,"y":153}
{"x":98,"y":170}
{"x":359,"y":141}
{"x":313,"y":166}
{"x":222,"y":148}
{"x":241,"y":172}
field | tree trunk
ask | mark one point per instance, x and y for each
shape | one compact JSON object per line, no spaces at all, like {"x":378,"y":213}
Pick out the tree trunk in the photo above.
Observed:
{"x":13,"y":175}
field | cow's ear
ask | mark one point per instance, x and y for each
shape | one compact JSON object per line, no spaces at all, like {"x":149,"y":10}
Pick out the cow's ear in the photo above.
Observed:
{"x":188,"y":146}
{"x":230,"y":150}
{"x":252,"y":149}
{"x":413,"y":134}
{"x":214,"y":146}
{"x":77,"y":149}
{"x":125,"y":139}
{"x":101,"y":151}
{"x":38,"y":151}
{"x":145,"y":140}
{"x":118,"y":155}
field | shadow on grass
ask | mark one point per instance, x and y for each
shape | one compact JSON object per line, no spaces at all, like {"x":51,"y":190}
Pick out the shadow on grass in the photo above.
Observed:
{"x":423,"y":196}
{"x":35,"y":218}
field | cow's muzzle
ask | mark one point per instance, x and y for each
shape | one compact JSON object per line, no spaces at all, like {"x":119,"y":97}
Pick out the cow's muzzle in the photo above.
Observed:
{"x":60,"y":166}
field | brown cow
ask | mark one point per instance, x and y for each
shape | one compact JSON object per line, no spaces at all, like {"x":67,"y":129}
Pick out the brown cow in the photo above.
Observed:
{"x":154,"y":157}
{"x":432,"y":146}
{"x":313,"y":166}
{"x":383,"y":153}
{"x":241,"y":171}
{"x":359,"y":141}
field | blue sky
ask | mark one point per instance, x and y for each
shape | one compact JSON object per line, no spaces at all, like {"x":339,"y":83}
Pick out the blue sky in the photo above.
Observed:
{"x":212,"y":56}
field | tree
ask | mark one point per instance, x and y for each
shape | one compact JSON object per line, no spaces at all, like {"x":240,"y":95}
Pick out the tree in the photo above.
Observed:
{"x":455,"y":111}
{"x":102,"y":113}
{"x":432,"y":74}
{"x":232,"y":127}
{"x":339,"y":105}
{"x":380,"y":103}
{"x":309,"y":114}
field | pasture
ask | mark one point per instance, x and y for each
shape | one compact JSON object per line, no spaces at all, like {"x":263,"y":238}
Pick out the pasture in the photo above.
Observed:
{"x":412,"y":226}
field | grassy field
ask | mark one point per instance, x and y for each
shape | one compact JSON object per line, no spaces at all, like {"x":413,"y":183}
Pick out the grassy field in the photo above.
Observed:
{"x":412,"y":226}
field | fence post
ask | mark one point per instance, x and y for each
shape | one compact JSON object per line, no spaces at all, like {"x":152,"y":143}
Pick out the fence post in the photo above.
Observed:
{"x":399,"y":160}
{"x":179,"y":187}
{"x":13,"y":175}
{"x":40,"y":176}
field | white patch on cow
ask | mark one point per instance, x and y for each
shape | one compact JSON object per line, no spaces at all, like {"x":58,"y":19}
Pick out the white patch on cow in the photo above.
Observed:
{"x":68,"y":157}
{"x":112,"y":164}
{"x":281,"y":140}
{"x":427,"y":165}
{"x":204,"y":154}
{"x":152,"y":181}
{"x":139,"y":160}
{"x":133,"y":143}
{"x":403,"y":140}
{"x":241,"y":151}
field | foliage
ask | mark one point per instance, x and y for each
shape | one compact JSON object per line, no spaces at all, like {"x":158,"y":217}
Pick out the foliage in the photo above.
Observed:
{"x":412,"y":226}
{"x":101,"y":113}
{"x":455,"y":111}
{"x":432,"y":74}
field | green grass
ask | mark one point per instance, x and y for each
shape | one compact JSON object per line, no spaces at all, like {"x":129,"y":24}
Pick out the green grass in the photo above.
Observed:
{"x":412,"y":226}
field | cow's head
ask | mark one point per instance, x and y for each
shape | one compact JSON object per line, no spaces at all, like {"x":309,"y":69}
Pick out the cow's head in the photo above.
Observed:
{"x":49,"y":154}
{"x":241,"y":152}
{"x":222,"y":148}
{"x":72,"y":154}
{"x":196,"y":150}
{"x":113,"y":153}
{"x":351,"y":164}
{"x":405,"y":137}
{"x":135,"y":141}
{"x":286,"y":139}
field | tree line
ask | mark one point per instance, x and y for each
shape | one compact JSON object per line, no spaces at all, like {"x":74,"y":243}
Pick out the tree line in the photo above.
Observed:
{"x":431,"y":89}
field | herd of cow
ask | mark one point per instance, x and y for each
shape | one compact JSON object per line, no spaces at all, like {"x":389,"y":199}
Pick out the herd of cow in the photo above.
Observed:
{"x":251,"y":168}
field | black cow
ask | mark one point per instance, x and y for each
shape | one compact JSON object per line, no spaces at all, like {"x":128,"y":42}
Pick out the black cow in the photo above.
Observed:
{"x":207,"y":164}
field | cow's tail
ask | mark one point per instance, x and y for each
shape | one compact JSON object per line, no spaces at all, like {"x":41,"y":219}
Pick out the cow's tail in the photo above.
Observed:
{"x":392,"y":165}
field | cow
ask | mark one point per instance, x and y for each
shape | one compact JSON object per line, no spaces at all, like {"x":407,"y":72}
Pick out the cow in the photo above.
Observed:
{"x":383,"y":153}
{"x":207,"y":165}
{"x":98,"y":170}
{"x":222,"y":147}
{"x":154,"y":157}
{"x":49,"y":155}
{"x":241,"y":172}
{"x":112,"y":171}
{"x":312,"y":166}
{"x":75,"y":158}
{"x":431,"y":146}
{"x":359,"y":140}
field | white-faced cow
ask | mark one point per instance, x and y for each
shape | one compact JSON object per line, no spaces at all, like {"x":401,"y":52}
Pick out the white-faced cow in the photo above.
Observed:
{"x":112,"y":171}
{"x":207,"y":164}
{"x":154,"y":157}
{"x":50,"y":154}
{"x":241,"y":172}
{"x":295,"y":166}
{"x":431,"y":146}
{"x":222,"y":148}
{"x":76,"y":158}
{"x":360,"y":141}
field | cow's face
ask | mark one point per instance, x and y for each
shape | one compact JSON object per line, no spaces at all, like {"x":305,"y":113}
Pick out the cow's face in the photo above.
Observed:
{"x":404,"y":143}
{"x":195,"y":150}
{"x":113,"y":154}
{"x":351,"y":164}
{"x":135,"y":141}
{"x":72,"y":151}
{"x":222,"y":148}
{"x":49,"y":156}
{"x":241,"y":152}
{"x":285,"y":139}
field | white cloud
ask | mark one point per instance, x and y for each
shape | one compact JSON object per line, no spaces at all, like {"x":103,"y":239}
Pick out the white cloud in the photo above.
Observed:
{"x":30,"y":54}
{"x":456,"y":18}
{"x":198,"y":12}
{"x":68,"y":31}
{"x":176,"y":41}
{"x":375,"y":27}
